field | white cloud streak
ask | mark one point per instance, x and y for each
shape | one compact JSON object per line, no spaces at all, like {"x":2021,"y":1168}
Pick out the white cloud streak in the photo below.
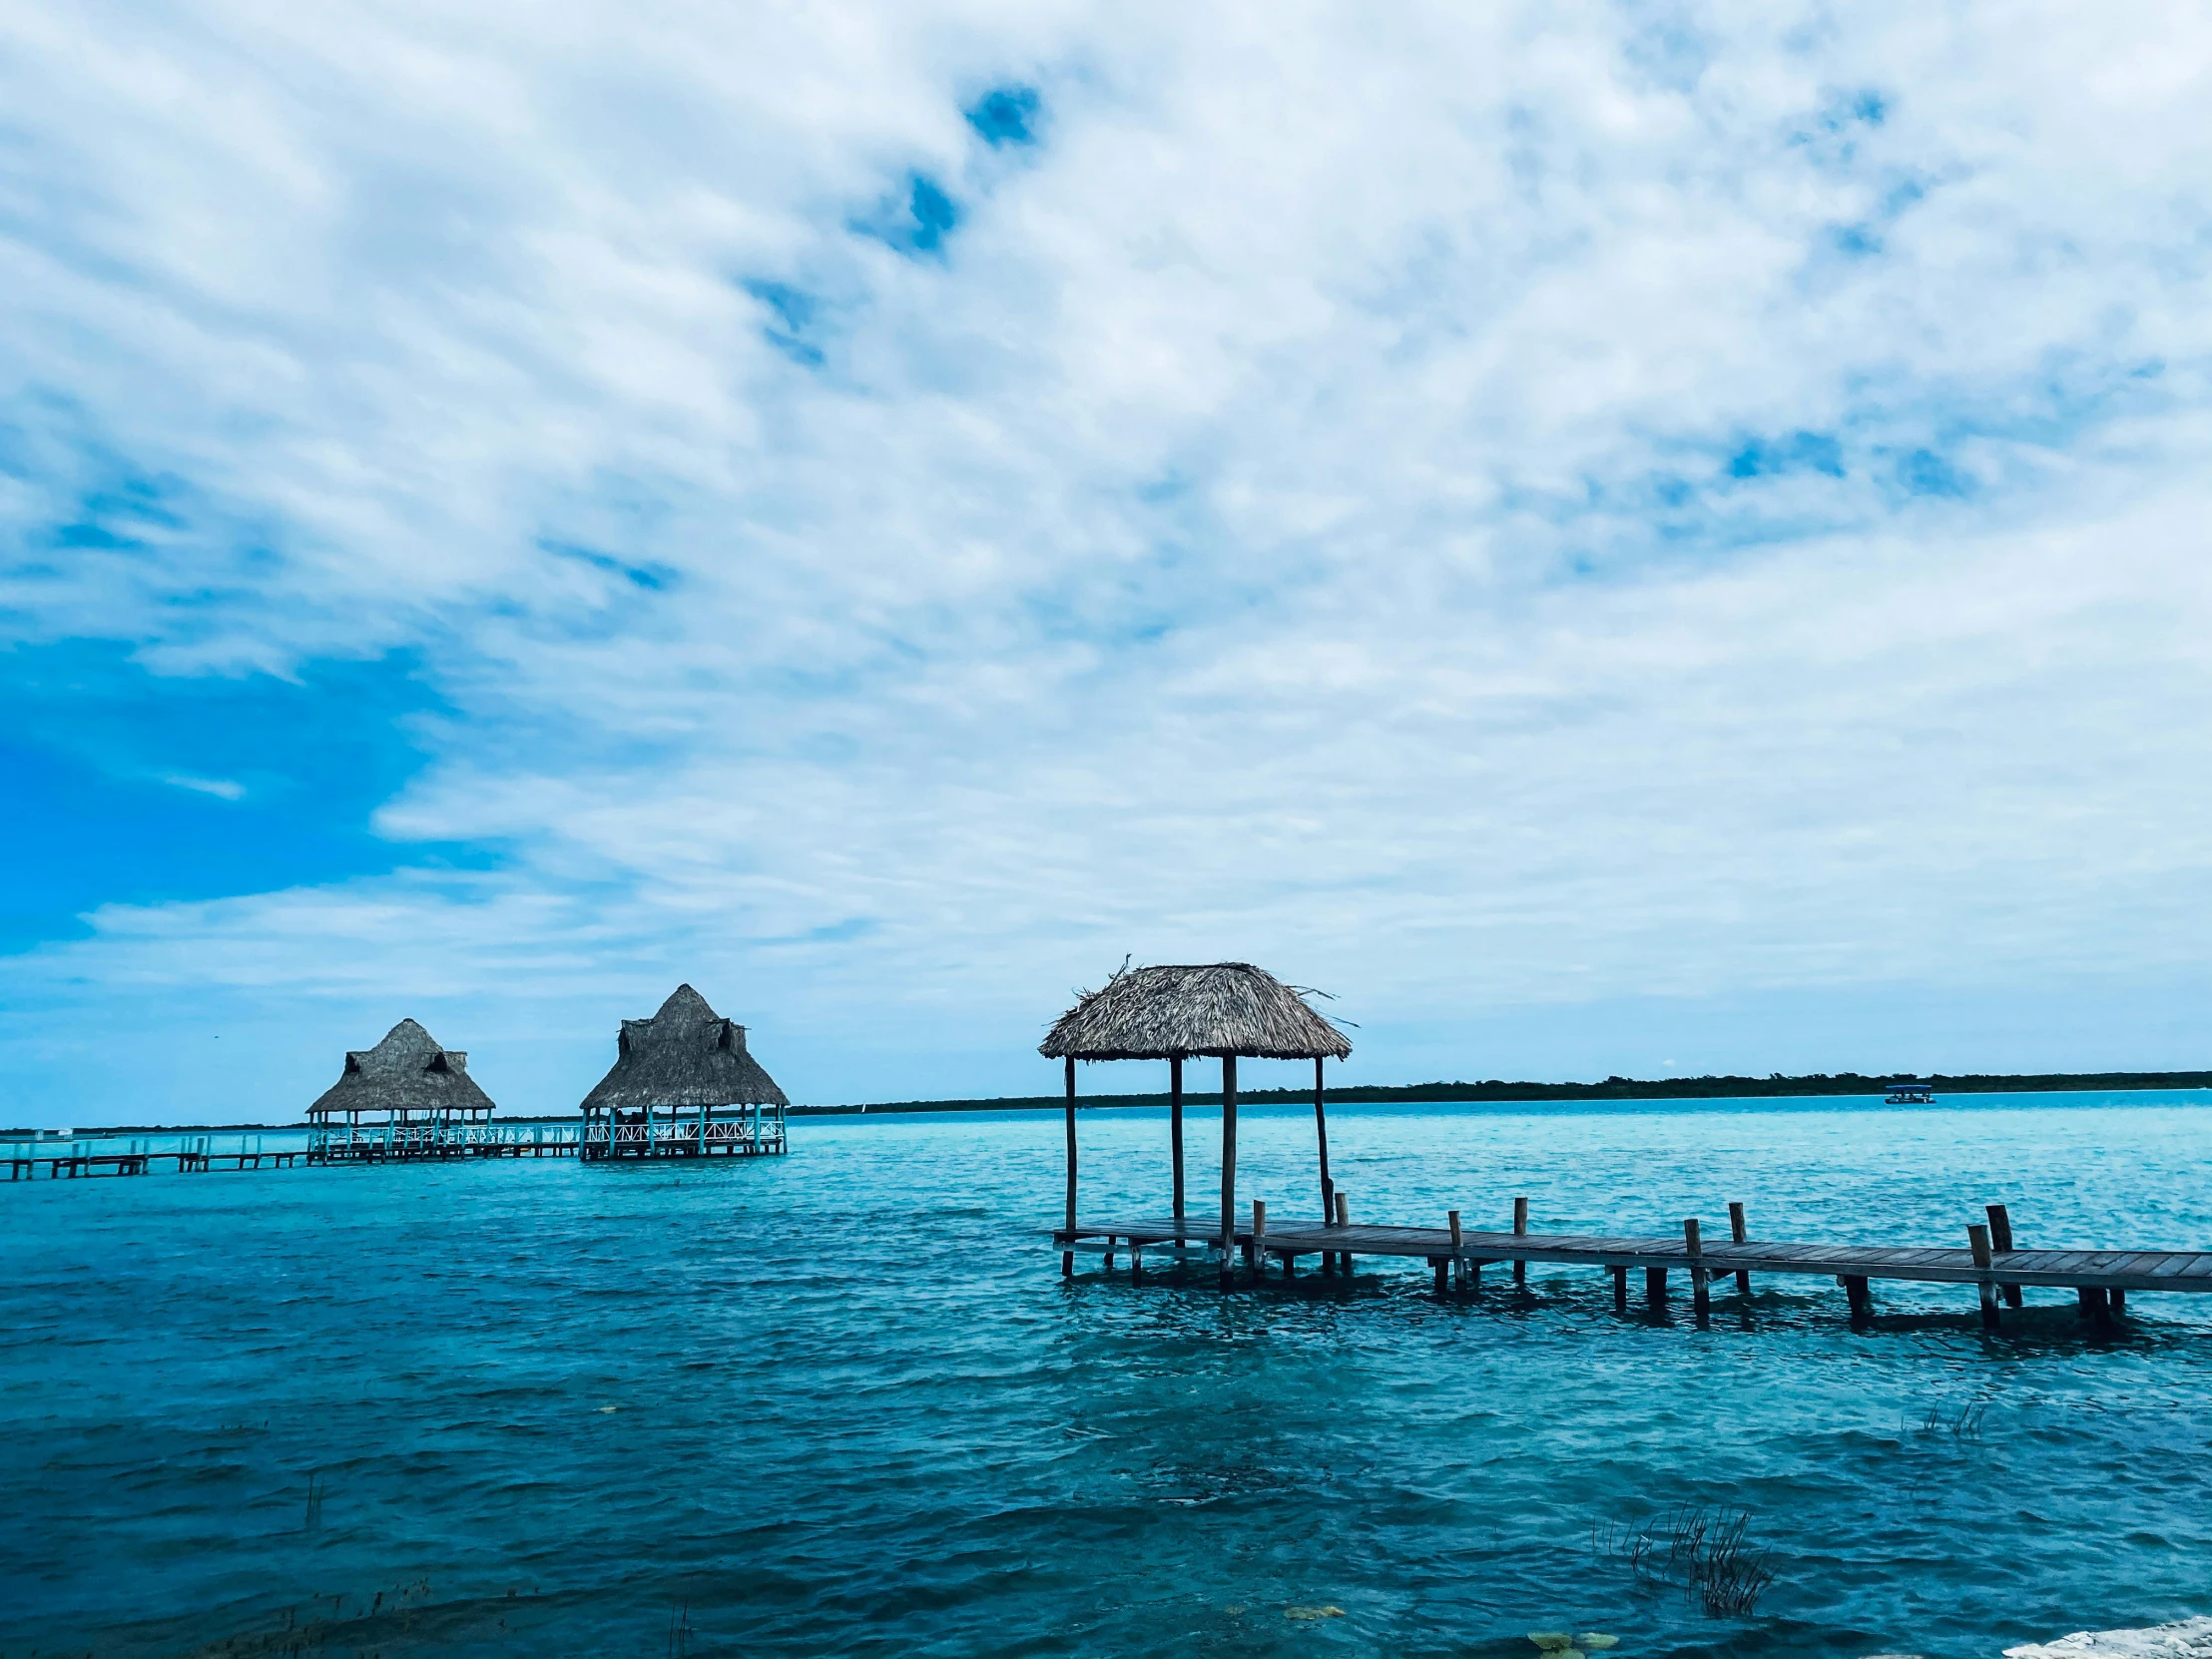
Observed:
{"x":1542,"y":505}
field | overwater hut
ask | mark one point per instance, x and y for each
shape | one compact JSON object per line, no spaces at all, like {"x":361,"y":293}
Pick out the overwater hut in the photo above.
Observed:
{"x":684,"y":1085}
{"x":1226,"y":1010}
{"x":409,"y":1097}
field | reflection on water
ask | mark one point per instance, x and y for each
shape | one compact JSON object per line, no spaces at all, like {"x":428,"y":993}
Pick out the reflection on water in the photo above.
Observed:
{"x":844,"y":1403}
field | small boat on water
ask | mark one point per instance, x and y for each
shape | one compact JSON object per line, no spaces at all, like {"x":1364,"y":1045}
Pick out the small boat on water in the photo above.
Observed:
{"x":1907,"y":1092}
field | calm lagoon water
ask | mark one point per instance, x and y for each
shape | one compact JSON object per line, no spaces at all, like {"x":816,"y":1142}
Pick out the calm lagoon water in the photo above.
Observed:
{"x":844,"y":1403}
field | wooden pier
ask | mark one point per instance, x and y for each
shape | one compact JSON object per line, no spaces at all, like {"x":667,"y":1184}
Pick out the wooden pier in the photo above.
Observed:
{"x":365,"y":1144}
{"x":70,"y":1165}
{"x":2100,"y":1279}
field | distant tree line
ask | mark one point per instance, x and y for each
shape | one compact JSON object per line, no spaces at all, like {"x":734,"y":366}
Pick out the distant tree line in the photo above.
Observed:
{"x":1613,"y":1088}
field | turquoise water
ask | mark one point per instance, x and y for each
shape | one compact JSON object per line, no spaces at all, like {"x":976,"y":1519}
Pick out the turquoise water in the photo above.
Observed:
{"x":844,"y":1403}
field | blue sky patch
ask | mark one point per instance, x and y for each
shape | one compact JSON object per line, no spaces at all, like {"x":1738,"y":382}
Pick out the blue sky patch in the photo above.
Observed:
{"x":795,"y":317}
{"x":1006,"y":115}
{"x":1796,"y":452}
{"x":134,"y":788}
{"x":1923,"y":472}
{"x":916,"y":221}
{"x":649,"y":575}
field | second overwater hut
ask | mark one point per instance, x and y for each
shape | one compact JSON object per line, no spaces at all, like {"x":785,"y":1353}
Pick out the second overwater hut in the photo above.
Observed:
{"x":409,"y":1097}
{"x":1222,"y":1010}
{"x":682,"y":1085}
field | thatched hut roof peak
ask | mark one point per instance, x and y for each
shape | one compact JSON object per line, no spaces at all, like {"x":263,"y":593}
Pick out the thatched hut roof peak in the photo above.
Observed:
{"x":1177,"y":1010}
{"x":685,"y":1055}
{"x":408,"y":1070}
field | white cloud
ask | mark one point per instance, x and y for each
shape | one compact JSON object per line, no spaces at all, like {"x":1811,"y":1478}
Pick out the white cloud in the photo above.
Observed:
{"x":223,"y":788}
{"x":1291,"y":515}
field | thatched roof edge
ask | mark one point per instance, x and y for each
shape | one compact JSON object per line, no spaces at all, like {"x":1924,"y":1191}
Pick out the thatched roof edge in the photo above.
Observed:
{"x":1181,"y":1010}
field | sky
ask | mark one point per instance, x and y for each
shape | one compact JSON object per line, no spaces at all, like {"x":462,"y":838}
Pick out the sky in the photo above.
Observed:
{"x":1612,"y":538}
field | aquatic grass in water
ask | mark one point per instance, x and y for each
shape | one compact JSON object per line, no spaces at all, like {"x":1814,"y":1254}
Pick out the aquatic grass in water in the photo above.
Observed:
{"x":861,"y":1413}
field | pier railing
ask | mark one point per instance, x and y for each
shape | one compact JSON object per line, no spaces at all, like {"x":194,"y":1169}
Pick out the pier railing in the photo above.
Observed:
{"x":370,"y":1143}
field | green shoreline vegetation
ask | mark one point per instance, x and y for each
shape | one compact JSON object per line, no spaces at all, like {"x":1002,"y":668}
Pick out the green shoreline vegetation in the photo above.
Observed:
{"x":1776,"y":1085}
{"x":1773,"y":1086}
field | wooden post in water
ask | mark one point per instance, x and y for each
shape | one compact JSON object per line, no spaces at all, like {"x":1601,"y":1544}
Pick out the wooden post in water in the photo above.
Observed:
{"x":1343,"y":1219}
{"x":1741,"y":1234}
{"x":2116,"y":1300}
{"x":1320,"y":1137}
{"x":1459,"y":1262}
{"x":1067,"y":1257}
{"x":1701,"y":1296}
{"x":1655,"y":1288}
{"x":1175,"y":1129}
{"x":1861,"y":1303}
{"x":1521,"y":1230}
{"x":1620,"y":1289}
{"x":1977,"y":1238}
{"x":2000,"y":1240}
{"x":1228,"y":1169}
{"x":1256,"y":1252}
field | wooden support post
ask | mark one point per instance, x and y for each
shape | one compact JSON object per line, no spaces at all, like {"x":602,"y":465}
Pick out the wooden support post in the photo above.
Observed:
{"x":1620,"y":1289}
{"x":1521,"y":1230}
{"x":1459,"y":1262}
{"x":1861,"y":1303}
{"x":1343,"y":1219}
{"x":1655,"y":1288}
{"x":2000,"y":1242}
{"x":1175,"y":1129}
{"x":1321,"y":1139}
{"x":1107,"y":1260}
{"x":1741,"y":1234}
{"x":2116,"y":1300}
{"x":1441,"y":1267}
{"x":1701,"y":1296}
{"x":2096,"y":1305}
{"x":1067,"y":1258}
{"x":1977,"y":1238}
{"x":1136,"y":1260}
{"x":1228,"y":1166}
{"x":1256,"y":1252}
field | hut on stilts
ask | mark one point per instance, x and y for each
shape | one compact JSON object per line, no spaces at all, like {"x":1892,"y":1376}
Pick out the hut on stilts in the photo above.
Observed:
{"x":409,"y":1097}
{"x":1223,"y":1010}
{"x":683,"y":1086}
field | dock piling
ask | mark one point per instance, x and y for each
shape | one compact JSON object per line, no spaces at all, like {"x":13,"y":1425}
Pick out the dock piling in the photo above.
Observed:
{"x":1520,"y":1230}
{"x":1655,"y":1288}
{"x":2000,"y":1242}
{"x":1620,"y":1287}
{"x":1978,"y":1239}
{"x":1228,"y":1169}
{"x":1175,"y":1125}
{"x":1255,"y":1253}
{"x":1701,"y":1296}
{"x":1343,"y":1219}
{"x":1741,"y":1235}
{"x":1067,"y":1258}
{"x":1861,"y":1300}
{"x":1459,"y":1262}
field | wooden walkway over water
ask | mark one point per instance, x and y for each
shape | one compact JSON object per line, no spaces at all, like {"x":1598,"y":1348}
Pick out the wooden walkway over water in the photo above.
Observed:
{"x":2100,"y":1279}
{"x":70,"y":1165}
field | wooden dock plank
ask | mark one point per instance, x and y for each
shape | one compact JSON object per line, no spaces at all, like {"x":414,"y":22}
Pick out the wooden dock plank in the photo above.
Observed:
{"x":2148,"y":1270}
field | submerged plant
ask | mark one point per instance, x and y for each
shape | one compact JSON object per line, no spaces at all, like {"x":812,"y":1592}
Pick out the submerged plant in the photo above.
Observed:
{"x":1961,"y":1422}
{"x":1706,"y":1550}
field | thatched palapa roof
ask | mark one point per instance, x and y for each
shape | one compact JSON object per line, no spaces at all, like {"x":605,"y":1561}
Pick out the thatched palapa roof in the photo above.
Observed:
{"x":1160,"y":1013}
{"x":407,"y":1071}
{"x":685,"y":1055}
